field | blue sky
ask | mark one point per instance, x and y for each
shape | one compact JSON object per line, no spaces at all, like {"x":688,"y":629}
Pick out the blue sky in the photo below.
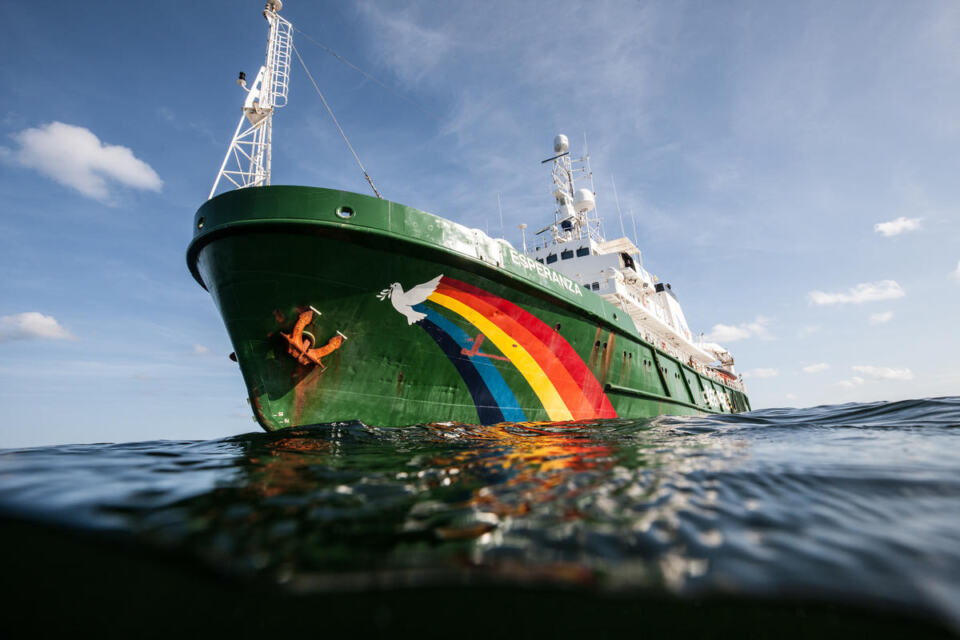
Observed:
{"x":792,"y":169}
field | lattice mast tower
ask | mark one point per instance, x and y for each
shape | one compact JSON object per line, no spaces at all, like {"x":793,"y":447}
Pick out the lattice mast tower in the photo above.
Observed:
{"x":572,"y":218}
{"x":247,"y":162}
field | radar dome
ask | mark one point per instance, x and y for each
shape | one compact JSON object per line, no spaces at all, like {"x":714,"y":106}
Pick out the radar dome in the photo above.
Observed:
{"x":584,"y":200}
{"x":561,"y":144}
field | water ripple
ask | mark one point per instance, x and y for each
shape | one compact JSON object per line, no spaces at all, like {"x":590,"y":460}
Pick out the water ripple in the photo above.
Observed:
{"x":857,"y":502}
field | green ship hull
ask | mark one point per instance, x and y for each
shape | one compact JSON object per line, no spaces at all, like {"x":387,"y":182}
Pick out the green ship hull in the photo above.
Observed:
{"x":341,"y":306}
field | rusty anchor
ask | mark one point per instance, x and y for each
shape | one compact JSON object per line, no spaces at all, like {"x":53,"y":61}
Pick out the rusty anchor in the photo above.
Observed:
{"x":300,"y":342}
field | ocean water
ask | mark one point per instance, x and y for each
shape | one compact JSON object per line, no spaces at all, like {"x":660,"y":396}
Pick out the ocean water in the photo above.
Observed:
{"x":856,"y":504}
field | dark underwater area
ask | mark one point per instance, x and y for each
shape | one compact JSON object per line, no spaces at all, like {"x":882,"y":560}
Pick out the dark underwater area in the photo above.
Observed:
{"x":828,"y":521}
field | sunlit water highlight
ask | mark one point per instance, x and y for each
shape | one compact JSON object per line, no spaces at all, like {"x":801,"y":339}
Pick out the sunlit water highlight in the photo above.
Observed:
{"x":857,"y":503}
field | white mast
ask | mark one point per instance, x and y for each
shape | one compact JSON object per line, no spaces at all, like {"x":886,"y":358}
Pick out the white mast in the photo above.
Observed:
{"x":572,"y":216}
{"x":247,"y":162}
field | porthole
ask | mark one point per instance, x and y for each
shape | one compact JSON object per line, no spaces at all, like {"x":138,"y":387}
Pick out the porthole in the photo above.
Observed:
{"x":200,"y":223}
{"x":345,"y":213}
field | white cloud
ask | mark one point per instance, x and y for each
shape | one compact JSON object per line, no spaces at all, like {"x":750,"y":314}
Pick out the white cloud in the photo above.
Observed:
{"x":31,"y":325}
{"x":881,"y":318}
{"x":727,"y":333}
{"x":816,"y":368}
{"x":761,"y":373}
{"x":884,"y":373}
{"x":408,"y":46}
{"x":855,"y":381}
{"x":807,"y":330}
{"x":76,"y":158}
{"x":199,"y":349}
{"x":870,"y":373}
{"x":863,"y":292}
{"x":898,"y":226}
{"x":956,"y":272}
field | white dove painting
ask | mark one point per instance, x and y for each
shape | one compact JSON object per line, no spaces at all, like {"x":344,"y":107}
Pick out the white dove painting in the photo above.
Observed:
{"x":404,"y":301}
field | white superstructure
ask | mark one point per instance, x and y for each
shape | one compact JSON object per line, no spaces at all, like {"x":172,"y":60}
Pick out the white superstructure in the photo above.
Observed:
{"x":575,"y":247}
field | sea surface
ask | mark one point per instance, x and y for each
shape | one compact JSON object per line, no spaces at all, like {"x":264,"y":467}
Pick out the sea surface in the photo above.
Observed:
{"x":856,"y":504}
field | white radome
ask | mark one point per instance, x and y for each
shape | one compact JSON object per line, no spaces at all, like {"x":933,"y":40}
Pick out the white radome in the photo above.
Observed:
{"x":561,"y":144}
{"x":584,"y":200}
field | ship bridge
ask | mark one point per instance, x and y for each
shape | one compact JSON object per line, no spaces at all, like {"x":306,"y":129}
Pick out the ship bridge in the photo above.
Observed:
{"x":574,"y":246}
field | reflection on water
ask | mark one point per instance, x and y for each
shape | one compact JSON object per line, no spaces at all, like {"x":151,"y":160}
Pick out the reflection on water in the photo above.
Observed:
{"x":855,"y":503}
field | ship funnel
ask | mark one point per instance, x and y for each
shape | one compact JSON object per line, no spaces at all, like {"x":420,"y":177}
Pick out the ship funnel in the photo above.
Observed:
{"x":561,"y":144}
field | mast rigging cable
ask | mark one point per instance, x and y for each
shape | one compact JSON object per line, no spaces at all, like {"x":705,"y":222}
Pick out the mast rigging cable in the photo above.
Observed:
{"x":420,"y":107}
{"x":334,"y":118}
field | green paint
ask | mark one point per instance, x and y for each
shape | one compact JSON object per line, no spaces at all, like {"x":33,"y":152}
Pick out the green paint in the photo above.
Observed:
{"x":266,"y":254}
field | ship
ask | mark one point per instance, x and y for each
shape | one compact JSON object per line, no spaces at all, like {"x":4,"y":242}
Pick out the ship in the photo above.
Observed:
{"x":343,"y":306}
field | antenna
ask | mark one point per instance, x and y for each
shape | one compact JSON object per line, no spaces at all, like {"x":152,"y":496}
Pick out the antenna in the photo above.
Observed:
{"x":248,"y":158}
{"x":500,"y":209}
{"x":589,"y":170}
{"x":523,"y":235}
{"x":617,"y":199}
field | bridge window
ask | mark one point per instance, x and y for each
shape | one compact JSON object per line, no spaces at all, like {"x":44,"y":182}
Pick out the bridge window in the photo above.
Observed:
{"x":583,"y":251}
{"x":551,"y":258}
{"x":566,"y":254}
{"x":595,"y":286}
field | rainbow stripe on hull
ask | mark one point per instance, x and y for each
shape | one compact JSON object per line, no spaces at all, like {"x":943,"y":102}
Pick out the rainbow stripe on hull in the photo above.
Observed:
{"x":558,"y":377}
